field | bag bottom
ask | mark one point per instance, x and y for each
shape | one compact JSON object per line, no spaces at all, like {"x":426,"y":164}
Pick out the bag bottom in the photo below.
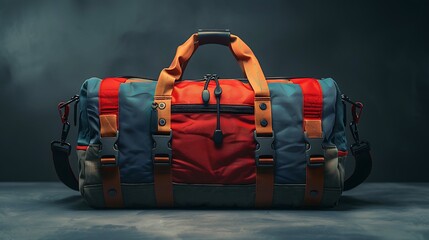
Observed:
{"x":142,"y":195}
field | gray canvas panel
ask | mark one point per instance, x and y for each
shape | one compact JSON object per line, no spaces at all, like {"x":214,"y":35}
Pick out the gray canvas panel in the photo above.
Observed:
{"x":341,"y":169}
{"x":81,"y":156}
{"x":90,"y":166}
{"x":93,"y":195}
{"x":287,"y":107}
{"x":332,"y":174}
{"x":135,"y":140}
{"x":187,"y":195}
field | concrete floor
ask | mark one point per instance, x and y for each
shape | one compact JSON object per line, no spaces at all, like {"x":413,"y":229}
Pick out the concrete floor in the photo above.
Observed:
{"x":371,"y":211}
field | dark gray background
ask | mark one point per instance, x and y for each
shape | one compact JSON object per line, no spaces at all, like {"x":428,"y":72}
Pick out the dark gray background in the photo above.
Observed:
{"x":378,"y":52}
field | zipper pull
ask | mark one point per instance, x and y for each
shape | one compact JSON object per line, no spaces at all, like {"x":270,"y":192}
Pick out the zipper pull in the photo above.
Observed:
{"x":218,"y":89}
{"x":206,"y":94}
{"x":217,"y":135}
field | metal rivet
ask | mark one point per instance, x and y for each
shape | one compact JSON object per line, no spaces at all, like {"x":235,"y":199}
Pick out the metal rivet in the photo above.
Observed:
{"x":162,"y":122}
{"x":161,"y":105}
{"x":264,"y":123}
{"x":263,"y":106}
{"x":154,"y":105}
{"x":112,"y":192}
{"x":314,"y":193}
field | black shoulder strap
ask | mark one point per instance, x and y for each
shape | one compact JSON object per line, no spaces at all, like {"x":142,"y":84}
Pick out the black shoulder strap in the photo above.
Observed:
{"x":363,"y":165}
{"x":61,"y":149}
{"x":60,"y":155}
{"x":360,"y":149}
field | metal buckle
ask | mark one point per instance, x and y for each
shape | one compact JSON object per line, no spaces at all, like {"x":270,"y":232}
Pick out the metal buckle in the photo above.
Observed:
{"x":162,"y":148}
{"x":314,"y":149}
{"x":109,"y":148}
{"x":264,"y":149}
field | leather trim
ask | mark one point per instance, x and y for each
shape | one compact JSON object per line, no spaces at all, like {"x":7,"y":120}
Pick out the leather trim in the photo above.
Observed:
{"x":108,"y":108}
{"x":108,"y":126}
{"x":112,"y":191}
{"x":314,"y":185}
{"x":264,"y":187}
{"x":164,"y":114}
{"x":108,"y":160}
{"x":313,"y":128}
{"x":312,"y":125}
{"x":342,"y":153}
{"x":81,"y":147}
{"x":163,"y":183}
{"x":263,"y":115}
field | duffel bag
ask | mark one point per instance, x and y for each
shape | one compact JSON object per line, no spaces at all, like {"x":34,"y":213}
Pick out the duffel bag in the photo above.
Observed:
{"x":211,"y":142}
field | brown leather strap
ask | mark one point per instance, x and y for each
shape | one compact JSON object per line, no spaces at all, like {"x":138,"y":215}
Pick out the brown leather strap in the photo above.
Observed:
{"x":264,"y":183}
{"x":164,"y":113}
{"x":312,"y":124}
{"x":163,"y":182}
{"x":109,"y":167}
{"x":262,"y":105}
{"x":108,"y":126}
{"x":108,"y":109}
{"x":111,"y":186}
{"x":314,"y":186}
{"x":313,"y":128}
{"x":315,"y":171}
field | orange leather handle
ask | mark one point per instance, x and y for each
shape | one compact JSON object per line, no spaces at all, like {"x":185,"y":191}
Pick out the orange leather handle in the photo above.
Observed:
{"x":250,"y":66}
{"x":244,"y":55}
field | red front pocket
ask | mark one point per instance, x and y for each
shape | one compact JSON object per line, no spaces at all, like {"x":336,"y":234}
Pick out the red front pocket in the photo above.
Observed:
{"x":196,"y":159}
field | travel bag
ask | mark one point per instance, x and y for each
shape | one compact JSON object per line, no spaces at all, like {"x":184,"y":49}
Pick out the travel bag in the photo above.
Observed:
{"x":211,"y":142}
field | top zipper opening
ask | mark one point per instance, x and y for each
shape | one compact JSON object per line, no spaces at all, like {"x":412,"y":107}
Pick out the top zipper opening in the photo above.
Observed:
{"x":212,"y":108}
{"x":202,"y":79}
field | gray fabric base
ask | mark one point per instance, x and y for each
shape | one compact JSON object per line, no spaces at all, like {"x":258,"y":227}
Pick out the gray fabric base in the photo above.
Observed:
{"x":48,"y":211}
{"x":141,"y":195}
{"x":190,"y":196}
